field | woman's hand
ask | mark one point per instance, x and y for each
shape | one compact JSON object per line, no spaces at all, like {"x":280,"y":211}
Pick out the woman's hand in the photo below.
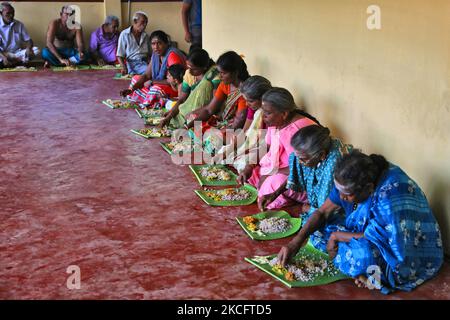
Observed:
{"x":332,"y":246}
{"x":265,"y":200}
{"x":164,"y":122}
{"x":245,"y":175}
{"x":287,"y":253}
{"x":125,"y":92}
{"x":124,"y":70}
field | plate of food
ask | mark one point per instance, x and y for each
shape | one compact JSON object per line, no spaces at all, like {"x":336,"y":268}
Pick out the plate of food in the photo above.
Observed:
{"x":71,"y":68}
{"x":18,"y":69}
{"x":119,"y":104}
{"x":309,"y":267}
{"x":269,"y":225}
{"x":185,"y":146}
{"x":153,"y":121}
{"x":214,"y":175}
{"x":151,"y":113}
{"x":119,"y":76}
{"x":153,"y":132}
{"x":242,"y":196}
{"x":105,"y":67}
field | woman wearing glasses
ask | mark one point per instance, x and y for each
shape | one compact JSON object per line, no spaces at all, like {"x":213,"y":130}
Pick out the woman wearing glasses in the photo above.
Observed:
{"x":311,"y":166}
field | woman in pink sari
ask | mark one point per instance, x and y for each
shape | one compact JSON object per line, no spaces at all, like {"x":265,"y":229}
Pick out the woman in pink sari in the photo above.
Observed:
{"x":283,"y":119}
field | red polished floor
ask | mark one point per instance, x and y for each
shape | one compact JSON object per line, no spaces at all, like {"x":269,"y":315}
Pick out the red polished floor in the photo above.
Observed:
{"x":77,"y":188}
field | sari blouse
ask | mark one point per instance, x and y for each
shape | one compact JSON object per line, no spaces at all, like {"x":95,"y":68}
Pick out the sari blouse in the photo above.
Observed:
{"x":222,"y":92}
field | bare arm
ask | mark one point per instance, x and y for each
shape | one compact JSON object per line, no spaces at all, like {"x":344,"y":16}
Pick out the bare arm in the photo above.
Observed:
{"x":6,"y":62}
{"x":29,"y":45}
{"x":123,"y":66}
{"x":206,"y":112}
{"x":239,"y":120}
{"x":79,"y":39}
{"x":247,"y":124}
{"x":314,"y":223}
{"x":185,"y":19}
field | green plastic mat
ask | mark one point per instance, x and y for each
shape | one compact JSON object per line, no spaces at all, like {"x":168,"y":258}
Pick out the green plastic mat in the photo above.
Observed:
{"x":331,"y":273}
{"x":204,"y":182}
{"x":166,"y":147}
{"x":147,"y":136}
{"x":112,"y":106}
{"x":105,"y":67}
{"x":119,"y":76}
{"x":258,"y":235}
{"x":75,"y":68}
{"x":229,"y":203}
{"x":19,"y":69}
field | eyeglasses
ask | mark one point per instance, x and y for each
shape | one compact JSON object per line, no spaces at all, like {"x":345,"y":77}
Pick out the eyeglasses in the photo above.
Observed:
{"x":309,"y":160}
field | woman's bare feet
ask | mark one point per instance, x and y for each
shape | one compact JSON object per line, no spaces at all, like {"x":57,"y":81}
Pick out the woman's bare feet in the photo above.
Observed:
{"x":361,"y":281}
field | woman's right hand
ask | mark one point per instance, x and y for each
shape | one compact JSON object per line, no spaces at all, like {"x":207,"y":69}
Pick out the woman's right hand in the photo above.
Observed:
{"x":125,"y":92}
{"x":164,"y":122}
{"x":245,"y":175}
{"x":265,"y":200}
{"x":287,"y":252}
{"x":124,"y":71}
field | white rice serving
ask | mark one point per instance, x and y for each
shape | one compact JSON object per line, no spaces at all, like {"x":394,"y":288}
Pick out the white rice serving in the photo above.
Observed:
{"x":274,"y":225}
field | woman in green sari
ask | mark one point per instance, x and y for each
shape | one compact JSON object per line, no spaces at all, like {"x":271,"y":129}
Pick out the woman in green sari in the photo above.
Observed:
{"x":199,"y":83}
{"x":228,"y":108}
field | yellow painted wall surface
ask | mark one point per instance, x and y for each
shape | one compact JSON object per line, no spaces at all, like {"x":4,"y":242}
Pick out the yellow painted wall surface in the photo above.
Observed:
{"x":385,"y":91}
{"x":163,"y":15}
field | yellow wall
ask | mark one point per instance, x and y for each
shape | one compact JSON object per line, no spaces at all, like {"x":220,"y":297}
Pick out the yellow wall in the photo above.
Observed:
{"x":163,"y":15}
{"x":385,"y":91}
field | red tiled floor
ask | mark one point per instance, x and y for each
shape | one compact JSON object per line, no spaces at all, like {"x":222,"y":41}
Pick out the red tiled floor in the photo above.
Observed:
{"x":76,"y":187}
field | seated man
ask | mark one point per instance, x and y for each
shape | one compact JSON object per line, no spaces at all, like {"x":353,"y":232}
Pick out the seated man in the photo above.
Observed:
{"x":60,"y":48}
{"x":134,"y":46}
{"x":16,"y":46}
{"x":103,"y":46}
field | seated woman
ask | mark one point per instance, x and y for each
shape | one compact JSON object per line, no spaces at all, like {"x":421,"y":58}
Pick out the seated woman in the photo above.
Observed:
{"x":199,"y":83}
{"x":311,"y":167}
{"x":283,"y":119}
{"x":164,"y":55}
{"x":228,"y":108}
{"x":157,"y":96}
{"x":252,"y":147}
{"x":390,"y":234}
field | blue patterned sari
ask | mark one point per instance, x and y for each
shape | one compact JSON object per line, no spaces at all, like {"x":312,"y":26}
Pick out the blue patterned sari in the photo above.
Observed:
{"x":401,"y":236}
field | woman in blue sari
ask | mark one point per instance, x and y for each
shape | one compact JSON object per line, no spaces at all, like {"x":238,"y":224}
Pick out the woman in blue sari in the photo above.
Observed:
{"x":311,"y":166}
{"x":389,"y":240}
{"x":164,"y":55}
